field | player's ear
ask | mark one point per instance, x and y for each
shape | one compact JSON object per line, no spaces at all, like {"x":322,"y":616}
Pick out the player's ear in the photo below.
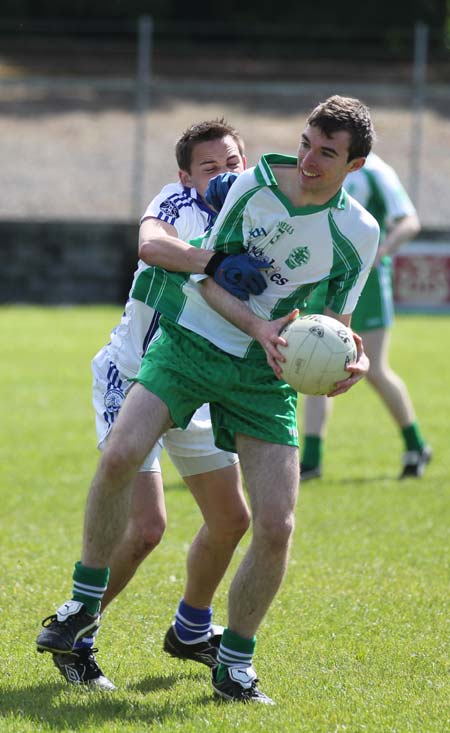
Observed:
{"x":356,"y":164}
{"x":185,"y":178}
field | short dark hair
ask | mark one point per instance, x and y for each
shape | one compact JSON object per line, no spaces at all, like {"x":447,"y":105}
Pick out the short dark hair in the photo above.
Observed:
{"x":345,"y":113}
{"x":201,"y":132}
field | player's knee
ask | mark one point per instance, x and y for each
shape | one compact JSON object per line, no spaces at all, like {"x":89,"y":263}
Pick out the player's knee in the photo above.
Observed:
{"x":146,"y":536}
{"x":231,"y":526}
{"x":374,"y":373}
{"x":378,"y":375}
{"x":241,"y":520}
{"x":274,"y":529}
{"x":119,"y":462}
{"x":237,"y":525}
{"x":150,"y":538}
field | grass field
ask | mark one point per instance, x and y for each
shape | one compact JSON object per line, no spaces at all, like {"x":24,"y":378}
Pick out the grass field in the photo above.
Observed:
{"x":356,"y":640}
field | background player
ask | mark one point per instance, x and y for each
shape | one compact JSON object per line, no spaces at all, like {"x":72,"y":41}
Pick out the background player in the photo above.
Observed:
{"x":377,"y":187}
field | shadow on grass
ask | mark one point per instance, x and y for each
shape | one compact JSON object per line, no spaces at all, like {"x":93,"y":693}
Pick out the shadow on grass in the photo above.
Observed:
{"x":153,"y":684}
{"x":382,"y":478}
{"x":58,"y":705}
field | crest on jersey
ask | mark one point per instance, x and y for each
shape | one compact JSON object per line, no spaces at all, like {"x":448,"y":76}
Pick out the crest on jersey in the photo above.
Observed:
{"x":113,"y":399}
{"x":298,"y":257}
{"x":169,"y":208}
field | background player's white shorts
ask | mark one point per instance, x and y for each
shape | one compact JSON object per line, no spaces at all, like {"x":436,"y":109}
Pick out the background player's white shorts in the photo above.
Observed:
{"x":192,"y":451}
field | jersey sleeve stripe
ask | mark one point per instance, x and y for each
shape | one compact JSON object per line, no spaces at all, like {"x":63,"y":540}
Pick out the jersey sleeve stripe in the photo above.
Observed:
{"x":229,"y":236}
{"x":346,"y":268}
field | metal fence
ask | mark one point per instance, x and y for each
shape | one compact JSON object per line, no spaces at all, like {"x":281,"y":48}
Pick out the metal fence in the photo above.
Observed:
{"x":89,"y":120}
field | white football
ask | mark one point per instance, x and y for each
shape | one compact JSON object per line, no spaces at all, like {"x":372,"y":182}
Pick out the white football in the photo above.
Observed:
{"x":317,"y":352}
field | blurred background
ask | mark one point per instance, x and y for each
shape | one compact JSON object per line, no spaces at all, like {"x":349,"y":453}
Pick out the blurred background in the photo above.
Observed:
{"x":94,"y":95}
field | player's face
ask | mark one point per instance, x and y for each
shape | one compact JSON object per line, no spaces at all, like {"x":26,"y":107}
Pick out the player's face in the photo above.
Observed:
{"x":211,"y":158}
{"x":322,"y":163}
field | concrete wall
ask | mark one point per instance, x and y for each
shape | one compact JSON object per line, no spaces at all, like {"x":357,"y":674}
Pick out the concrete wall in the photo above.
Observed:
{"x":66,"y":262}
{"x":63,"y":262}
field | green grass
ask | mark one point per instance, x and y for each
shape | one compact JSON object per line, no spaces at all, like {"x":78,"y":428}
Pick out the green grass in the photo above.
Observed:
{"x":356,"y":640}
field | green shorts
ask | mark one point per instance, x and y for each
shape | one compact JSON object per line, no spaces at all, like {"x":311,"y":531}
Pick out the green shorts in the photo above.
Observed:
{"x":375,"y":308}
{"x":185,"y":370}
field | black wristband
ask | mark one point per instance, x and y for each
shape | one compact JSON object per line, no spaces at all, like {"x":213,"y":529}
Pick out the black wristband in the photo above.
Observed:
{"x":214,"y":262}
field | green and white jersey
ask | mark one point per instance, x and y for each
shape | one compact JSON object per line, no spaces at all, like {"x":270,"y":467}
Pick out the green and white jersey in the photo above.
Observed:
{"x":335,"y":242}
{"x":182,"y":208}
{"x":378,"y":188}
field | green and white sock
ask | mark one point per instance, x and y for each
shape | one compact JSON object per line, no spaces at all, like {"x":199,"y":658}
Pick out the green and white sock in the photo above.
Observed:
{"x":412,"y":437}
{"x":234,"y":651}
{"x":89,"y":586}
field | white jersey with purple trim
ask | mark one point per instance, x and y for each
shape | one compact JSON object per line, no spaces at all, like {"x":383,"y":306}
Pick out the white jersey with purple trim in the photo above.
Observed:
{"x":183,"y":209}
{"x":336,"y":242}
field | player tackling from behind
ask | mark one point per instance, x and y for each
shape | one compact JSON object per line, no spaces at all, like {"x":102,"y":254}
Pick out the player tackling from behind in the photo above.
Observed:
{"x":220,"y":349}
{"x":213,"y":475}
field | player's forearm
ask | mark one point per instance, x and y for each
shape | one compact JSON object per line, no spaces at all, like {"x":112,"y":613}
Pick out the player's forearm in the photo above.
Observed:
{"x":230,"y":307}
{"x":402,"y":231}
{"x":173,"y":254}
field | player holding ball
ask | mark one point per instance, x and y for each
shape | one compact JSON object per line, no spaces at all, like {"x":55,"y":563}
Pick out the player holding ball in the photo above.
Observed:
{"x":216,"y":348}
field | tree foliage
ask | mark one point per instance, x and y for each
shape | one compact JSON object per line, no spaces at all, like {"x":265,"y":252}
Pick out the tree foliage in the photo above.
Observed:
{"x":352,"y":13}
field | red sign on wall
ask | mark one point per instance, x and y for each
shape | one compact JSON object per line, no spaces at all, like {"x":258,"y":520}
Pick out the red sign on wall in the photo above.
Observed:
{"x":422,"y":277}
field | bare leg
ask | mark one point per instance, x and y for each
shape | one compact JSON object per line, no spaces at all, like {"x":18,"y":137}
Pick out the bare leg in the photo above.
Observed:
{"x":316,"y":414}
{"x":220,"y":497}
{"x":145,"y":527}
{"x":271,"y":473}
{"x":384,"y":380}
{"x":142,"y":420}
{"x":221,"y":500}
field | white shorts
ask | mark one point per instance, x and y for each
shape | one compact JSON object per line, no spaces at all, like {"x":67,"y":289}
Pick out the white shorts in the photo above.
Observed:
{"x":192,"y":451}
